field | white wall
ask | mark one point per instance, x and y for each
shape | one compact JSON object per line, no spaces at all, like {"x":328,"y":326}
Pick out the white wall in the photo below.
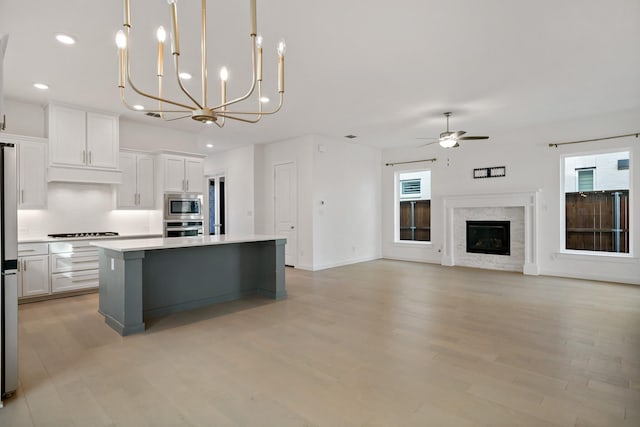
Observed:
{"x":24,"y":118}
{"x":346,"y":203}
{"x":530,"y":165}
{"x":298,"y":151}
{"x":238,"y":166}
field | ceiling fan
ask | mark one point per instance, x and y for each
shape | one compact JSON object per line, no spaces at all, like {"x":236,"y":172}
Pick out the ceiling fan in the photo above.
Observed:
{"x":450,"y":139}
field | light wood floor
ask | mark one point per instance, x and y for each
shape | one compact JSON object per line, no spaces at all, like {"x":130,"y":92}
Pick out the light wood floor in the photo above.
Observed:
{"x":383,"y":343}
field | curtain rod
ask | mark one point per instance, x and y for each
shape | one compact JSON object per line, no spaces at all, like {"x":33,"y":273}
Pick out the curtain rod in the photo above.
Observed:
{"x":592,"y":140}
{"x":411,"y":161}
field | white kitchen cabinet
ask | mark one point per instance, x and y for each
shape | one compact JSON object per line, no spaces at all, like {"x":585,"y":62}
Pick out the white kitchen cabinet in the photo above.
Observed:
{"x":33,"y":270}
{"x":182,"y":173}
{"x":32,"y":179}
{"x":74,"y":266}
{"x":80,"y":140}
{"x":32,"y":169}
{"x":138,"y":174}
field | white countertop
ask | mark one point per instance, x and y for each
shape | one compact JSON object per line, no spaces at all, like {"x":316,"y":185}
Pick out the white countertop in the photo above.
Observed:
{"x":130,"y":245}
{"x":47,"y":239}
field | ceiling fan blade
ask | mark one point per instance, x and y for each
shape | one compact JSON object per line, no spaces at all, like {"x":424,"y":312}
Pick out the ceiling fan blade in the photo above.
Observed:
{"x":473,"y":137}
{"x":457,"y":135}
{"x":428,"y":143}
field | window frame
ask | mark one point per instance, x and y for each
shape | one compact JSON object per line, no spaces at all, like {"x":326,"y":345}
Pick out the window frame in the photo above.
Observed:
{"x":398,"y":197}
{"x":562,"y":211}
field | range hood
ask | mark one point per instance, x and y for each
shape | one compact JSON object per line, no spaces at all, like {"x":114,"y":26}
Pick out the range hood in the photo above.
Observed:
{"x":83,"y":175}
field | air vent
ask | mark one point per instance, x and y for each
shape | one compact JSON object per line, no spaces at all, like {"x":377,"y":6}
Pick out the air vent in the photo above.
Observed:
{"x":351,"y":136}
{"x":155,"y":115}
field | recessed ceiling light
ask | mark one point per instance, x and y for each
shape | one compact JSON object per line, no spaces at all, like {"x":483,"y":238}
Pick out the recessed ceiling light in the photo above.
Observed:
{"x":65,"y":39}
{"x":185,"y":76}
{"x":209,"y":145}
{"x":264,"y":99}
{"x":138,"y":107}
{"x":40,"y":86}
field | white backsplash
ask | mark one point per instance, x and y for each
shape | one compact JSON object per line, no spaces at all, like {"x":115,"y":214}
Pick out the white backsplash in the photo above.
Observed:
{"x":75,"y":208}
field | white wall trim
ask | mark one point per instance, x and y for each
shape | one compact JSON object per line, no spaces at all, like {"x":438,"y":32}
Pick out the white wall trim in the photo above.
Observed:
{"x":527,"y":200}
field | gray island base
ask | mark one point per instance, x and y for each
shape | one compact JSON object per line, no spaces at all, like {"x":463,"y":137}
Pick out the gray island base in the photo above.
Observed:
{"x":147,"y":278}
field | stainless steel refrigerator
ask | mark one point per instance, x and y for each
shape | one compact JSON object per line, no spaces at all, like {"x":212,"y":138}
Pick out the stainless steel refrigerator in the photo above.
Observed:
{"x":8,"y":270}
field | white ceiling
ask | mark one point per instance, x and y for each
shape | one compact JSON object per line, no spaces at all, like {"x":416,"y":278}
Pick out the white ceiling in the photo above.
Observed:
{"x":382,"y":70}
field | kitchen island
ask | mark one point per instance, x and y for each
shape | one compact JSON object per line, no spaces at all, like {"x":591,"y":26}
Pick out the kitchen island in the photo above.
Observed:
{"x":146,"y":278}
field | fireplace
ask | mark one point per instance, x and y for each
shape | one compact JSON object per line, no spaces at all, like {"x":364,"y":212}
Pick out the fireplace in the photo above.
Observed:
{"x":488,"y":237}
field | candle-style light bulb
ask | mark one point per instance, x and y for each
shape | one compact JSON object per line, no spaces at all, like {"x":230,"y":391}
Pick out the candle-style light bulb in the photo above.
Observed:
{"x":161,"y":34}
{"x":282,"y":48}
{"x":224,"y":74}
{"x":259,"y":66}
{"x":121,"y":39}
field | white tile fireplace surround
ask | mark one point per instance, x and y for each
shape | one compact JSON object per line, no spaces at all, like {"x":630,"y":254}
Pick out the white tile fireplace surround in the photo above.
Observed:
{"x":520,"y":209}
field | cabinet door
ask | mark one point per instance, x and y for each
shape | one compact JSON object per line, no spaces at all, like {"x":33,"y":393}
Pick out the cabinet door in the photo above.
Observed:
{"x":145,"y":180}
{"x":127,"y":190}
{"x":174,"y":173}
{"x":32,"y":179}
{"x":67,"y":136}
{"x":34,"y":275}
{"x":102,"y":141}
{"x":194,"y":173}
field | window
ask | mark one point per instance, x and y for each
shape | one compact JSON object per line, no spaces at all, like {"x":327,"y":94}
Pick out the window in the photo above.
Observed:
{"x":584,"y":179}
{"x":413,"y":204}
{"x":410,"y":188}
{"x":596,"y":210}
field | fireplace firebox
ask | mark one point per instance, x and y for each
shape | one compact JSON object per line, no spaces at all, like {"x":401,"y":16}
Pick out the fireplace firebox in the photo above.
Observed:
{"x":488,"y":237}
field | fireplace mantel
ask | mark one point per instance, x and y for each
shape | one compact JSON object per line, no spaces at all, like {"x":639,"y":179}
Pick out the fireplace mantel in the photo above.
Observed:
{"x":527,"y":200}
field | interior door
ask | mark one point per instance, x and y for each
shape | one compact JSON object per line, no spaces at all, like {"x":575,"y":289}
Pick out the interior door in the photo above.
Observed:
{"x":217,"y":205}
{"x":285,"y":195}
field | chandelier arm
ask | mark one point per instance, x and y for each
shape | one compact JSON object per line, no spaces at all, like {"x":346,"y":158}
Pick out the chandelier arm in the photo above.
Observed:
{"x":239,"y":119}
{"x":126,"y":104}
{"x":253,"y":83}
{"x":176,"y":118}
{"x":186,"y":92}
{"x":266,"y":113}
{"x":147,"y":95}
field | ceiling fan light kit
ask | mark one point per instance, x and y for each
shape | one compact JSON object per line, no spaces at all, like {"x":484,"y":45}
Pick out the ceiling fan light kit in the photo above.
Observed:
{"x":450,"y":139}
{"x":199,"y":110}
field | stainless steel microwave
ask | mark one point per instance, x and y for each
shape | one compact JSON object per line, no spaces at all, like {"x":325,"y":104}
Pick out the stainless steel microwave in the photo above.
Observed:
{"x":182,"y":206}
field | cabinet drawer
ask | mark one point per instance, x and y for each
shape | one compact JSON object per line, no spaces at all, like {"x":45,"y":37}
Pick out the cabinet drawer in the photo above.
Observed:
{"x":73,"y":280}
{"x":28,"y":249}
{"x":71,"y":246}
{"x":74,"y":261}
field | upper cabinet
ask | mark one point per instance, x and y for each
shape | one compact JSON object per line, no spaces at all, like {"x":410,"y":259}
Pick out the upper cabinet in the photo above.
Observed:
{"x":83,"y":146}
{"x":181,"y":173}
{"x":32,"y":170}
{"x":137,"y":188}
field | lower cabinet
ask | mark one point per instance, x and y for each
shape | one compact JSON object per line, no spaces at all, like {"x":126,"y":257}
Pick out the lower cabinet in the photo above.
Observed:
{"x":33,"y":270}
{"x":74,"y":266}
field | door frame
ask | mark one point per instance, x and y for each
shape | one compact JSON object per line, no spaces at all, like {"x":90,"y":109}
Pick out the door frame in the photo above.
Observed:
{"x":216,"y":175}
{"x":275,"y":223}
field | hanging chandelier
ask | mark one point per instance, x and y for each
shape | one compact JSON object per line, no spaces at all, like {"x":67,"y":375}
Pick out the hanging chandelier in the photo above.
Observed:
{"x":199,"y":110}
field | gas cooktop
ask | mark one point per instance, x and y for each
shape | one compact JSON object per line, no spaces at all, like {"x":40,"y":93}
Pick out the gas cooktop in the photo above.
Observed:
{"x":89,"y":234}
